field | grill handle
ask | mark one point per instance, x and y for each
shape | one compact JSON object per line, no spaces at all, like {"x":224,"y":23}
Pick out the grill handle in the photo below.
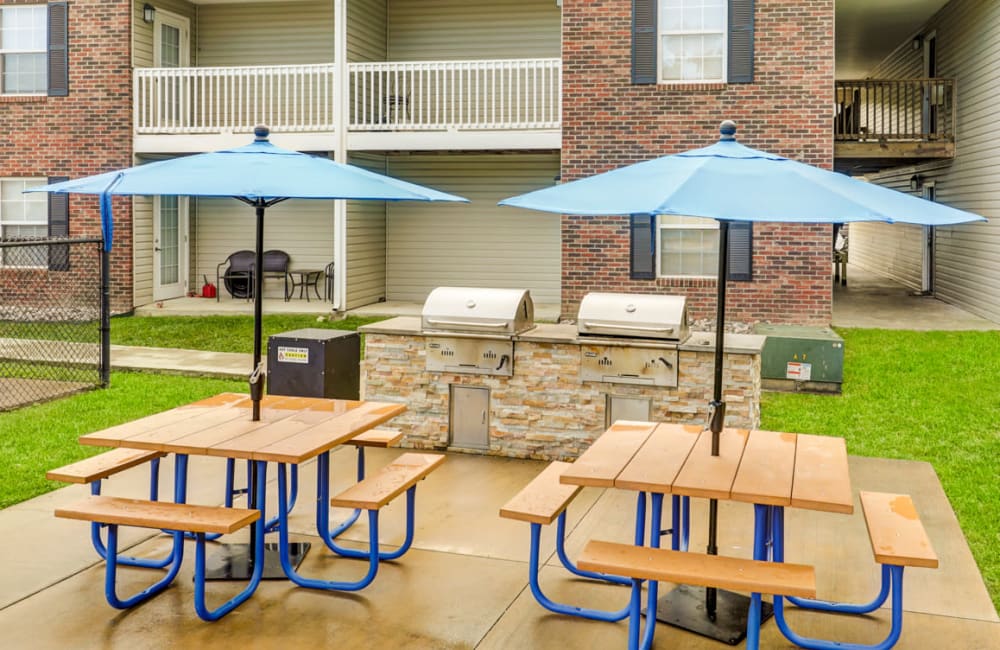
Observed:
{"x":637,"y":328}
{"x":436,"y":321}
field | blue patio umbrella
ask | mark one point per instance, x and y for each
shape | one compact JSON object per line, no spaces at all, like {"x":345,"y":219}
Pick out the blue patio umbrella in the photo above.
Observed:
{"x":730,"y":182}
{"x":259,"y":174}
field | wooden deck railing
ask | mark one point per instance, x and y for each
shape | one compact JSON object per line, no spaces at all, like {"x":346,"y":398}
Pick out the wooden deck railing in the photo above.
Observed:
{"x":901,"y":110}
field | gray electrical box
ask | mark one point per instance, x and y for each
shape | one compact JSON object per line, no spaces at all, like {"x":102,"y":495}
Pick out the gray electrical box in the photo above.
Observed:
{"x":315,"y":362}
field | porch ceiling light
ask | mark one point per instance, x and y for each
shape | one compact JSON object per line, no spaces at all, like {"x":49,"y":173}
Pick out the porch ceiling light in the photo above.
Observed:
{"x":148,"y":13}
{"x":916,"y":182}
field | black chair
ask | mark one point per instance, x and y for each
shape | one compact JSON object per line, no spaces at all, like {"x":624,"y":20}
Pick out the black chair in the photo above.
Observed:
{"x":329,"y":281}
{"x":238,"y":275}
{"x":276,"y":266}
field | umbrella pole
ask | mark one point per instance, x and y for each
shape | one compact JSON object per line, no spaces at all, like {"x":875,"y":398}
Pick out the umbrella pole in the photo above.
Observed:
{"x":256,"y":376}
{"x":716,"y":614}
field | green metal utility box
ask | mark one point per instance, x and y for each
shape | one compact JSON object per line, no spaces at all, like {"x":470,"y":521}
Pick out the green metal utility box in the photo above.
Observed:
{"x":797,"y":357}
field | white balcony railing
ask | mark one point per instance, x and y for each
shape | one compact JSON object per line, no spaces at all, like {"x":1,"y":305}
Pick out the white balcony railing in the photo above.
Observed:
{"x":436,"y":95}
{"x":430,"y":95}
{"x":288,"y":98}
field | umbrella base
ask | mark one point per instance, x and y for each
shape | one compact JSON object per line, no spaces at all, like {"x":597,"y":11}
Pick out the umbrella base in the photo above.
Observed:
{"x":684,"y":607}
{"x":233,"y":561}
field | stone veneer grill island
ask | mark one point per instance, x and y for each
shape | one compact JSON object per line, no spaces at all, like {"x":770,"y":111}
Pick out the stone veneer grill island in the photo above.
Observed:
{"x":543,"y":410}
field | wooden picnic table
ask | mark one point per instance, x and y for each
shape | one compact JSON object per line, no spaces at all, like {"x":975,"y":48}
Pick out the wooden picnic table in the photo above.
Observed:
{"x":760,"y":467}
{"x":291,"y":430}
{"x":768,"y":469}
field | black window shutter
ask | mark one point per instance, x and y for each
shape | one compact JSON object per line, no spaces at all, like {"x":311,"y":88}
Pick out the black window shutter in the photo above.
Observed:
{"x":58,"y":227}
{"x":741,"y":41}
{"x":644,"y":41}
{"x":58,"y":64}
{"x":741,"y":251}
{"x":642,"y":250}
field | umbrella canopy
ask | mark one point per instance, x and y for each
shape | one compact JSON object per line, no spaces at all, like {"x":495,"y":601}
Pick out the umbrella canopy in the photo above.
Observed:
{"x":731,"y":182}
{"x":259,"y":174}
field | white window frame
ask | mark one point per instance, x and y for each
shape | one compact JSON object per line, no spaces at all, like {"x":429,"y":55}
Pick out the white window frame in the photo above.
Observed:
{"x":661,"y":12}
{"x":182,"y":25}
{"x":43,"y":9}
{"x":32,"y":197}
{"x":663,"y":223}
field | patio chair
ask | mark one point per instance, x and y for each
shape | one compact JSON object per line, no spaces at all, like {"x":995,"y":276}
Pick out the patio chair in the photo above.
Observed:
{"x":237,"y":275}
{"x":276,"y":266}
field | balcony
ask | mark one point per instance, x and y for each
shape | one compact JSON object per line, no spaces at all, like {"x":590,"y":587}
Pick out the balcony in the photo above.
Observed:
{"x":881,"y":124}
{"x":390,"y":105}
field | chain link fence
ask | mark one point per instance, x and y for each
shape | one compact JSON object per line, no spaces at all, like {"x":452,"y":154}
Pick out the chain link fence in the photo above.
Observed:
{"x":50,"y":319}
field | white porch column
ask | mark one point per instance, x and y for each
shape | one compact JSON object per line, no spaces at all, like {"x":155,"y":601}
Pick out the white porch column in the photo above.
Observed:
{"x":340,"y":101}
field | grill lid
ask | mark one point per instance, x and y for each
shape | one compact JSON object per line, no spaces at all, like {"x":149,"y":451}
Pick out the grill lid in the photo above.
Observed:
{"x":636,"y":315}
{"x":502,"y":312}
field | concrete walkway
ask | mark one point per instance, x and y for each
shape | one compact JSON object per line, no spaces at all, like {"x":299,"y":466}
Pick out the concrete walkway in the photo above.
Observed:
{"x":464,"y":584}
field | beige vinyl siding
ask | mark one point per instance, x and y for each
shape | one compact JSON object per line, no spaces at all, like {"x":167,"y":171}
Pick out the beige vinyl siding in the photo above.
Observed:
{"x":366,"y":241}
{"x":892,"y":250}
{"x":422,"y":30}
{"x":366,"y":29}
{"x":142,"y":33}
{"x":473,"y":244}
{"x":282,"y":33}
{"x":301,"y":228}
{"x":142,"y":250}
{"x":967,"y":271}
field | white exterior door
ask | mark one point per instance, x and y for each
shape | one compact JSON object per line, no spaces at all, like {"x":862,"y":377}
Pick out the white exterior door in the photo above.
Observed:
{"x":170,"y":247}
{"x":171,"y":49}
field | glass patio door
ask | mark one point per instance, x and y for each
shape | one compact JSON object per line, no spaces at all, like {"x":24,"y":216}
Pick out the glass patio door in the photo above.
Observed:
{"x":170,"y":237}
{"x":171,"y":49}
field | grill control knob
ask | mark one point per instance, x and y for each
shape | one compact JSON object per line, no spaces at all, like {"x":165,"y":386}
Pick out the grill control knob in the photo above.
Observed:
{"x":630,"y":308}
{"x":471,"y":304}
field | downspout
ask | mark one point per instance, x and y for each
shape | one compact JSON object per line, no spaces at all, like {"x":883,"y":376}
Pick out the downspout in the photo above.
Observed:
{"x":341,"y":102}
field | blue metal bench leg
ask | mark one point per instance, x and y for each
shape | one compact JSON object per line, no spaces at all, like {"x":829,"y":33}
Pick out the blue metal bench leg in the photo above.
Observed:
{"x":372,"y":555}
{"x":572,"y":568}
{"x":95,"y":528}
{"x":892,"y":581}
{"x":200,"y":606}
{"x":560,"y":608}
{"x":111,"y":572}
{"x":347,"y":523}
{"x":639,"y":639}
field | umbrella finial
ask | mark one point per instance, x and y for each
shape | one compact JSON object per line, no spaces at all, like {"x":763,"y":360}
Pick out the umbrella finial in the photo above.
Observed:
{"x":260,"y":133}
{"x":728,"y":130}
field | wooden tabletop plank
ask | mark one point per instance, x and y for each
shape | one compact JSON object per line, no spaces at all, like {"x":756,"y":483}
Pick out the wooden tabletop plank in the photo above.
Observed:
{"x":112,"y":436}
{"x":896,"y":533}
{"x":656,"y":465}
{"x":600,"y":465}
{"x":766,"y":469}
{"x":822,"y":480}
{"x":329,"y":434}
{"x":175,"y":424}
{"x":708,"y":476}
{"x":544,"y":498}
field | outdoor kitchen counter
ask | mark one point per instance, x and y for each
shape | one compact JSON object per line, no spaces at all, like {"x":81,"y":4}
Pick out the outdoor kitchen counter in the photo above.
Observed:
{"x":567,"y":333}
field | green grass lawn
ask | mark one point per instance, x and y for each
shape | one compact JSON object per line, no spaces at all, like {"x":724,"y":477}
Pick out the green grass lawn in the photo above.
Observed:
{"x":42,"y":437}
{"x":932,"y":396}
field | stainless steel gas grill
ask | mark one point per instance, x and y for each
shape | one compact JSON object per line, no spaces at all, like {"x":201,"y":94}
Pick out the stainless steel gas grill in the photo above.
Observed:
{"x":630,"y":338}
{"x":471,"y":330}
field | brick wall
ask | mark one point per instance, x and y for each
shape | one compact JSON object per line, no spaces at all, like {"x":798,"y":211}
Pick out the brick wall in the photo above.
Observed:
{"x":608,"y":123}
{"x":87,"y":132}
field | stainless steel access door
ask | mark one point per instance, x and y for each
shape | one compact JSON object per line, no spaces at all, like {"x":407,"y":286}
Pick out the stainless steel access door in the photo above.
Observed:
{"x":469,"y":417}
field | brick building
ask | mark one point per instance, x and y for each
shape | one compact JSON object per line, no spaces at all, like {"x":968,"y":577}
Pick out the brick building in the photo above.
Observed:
{"x":500,"y":98}
{"x":65,"y":111}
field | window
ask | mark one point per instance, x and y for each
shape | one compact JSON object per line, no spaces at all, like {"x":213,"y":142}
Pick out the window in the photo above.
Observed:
{"x":692,"y":35}
{"x":23,"y":50}
{"x":23,"y":216}
{"x":687,"y":246}
{"x":670,"y":246}
{"x":692,"y":41}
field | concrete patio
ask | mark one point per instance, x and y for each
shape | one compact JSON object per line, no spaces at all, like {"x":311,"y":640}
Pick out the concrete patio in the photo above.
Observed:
{"x":464,"y":584}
